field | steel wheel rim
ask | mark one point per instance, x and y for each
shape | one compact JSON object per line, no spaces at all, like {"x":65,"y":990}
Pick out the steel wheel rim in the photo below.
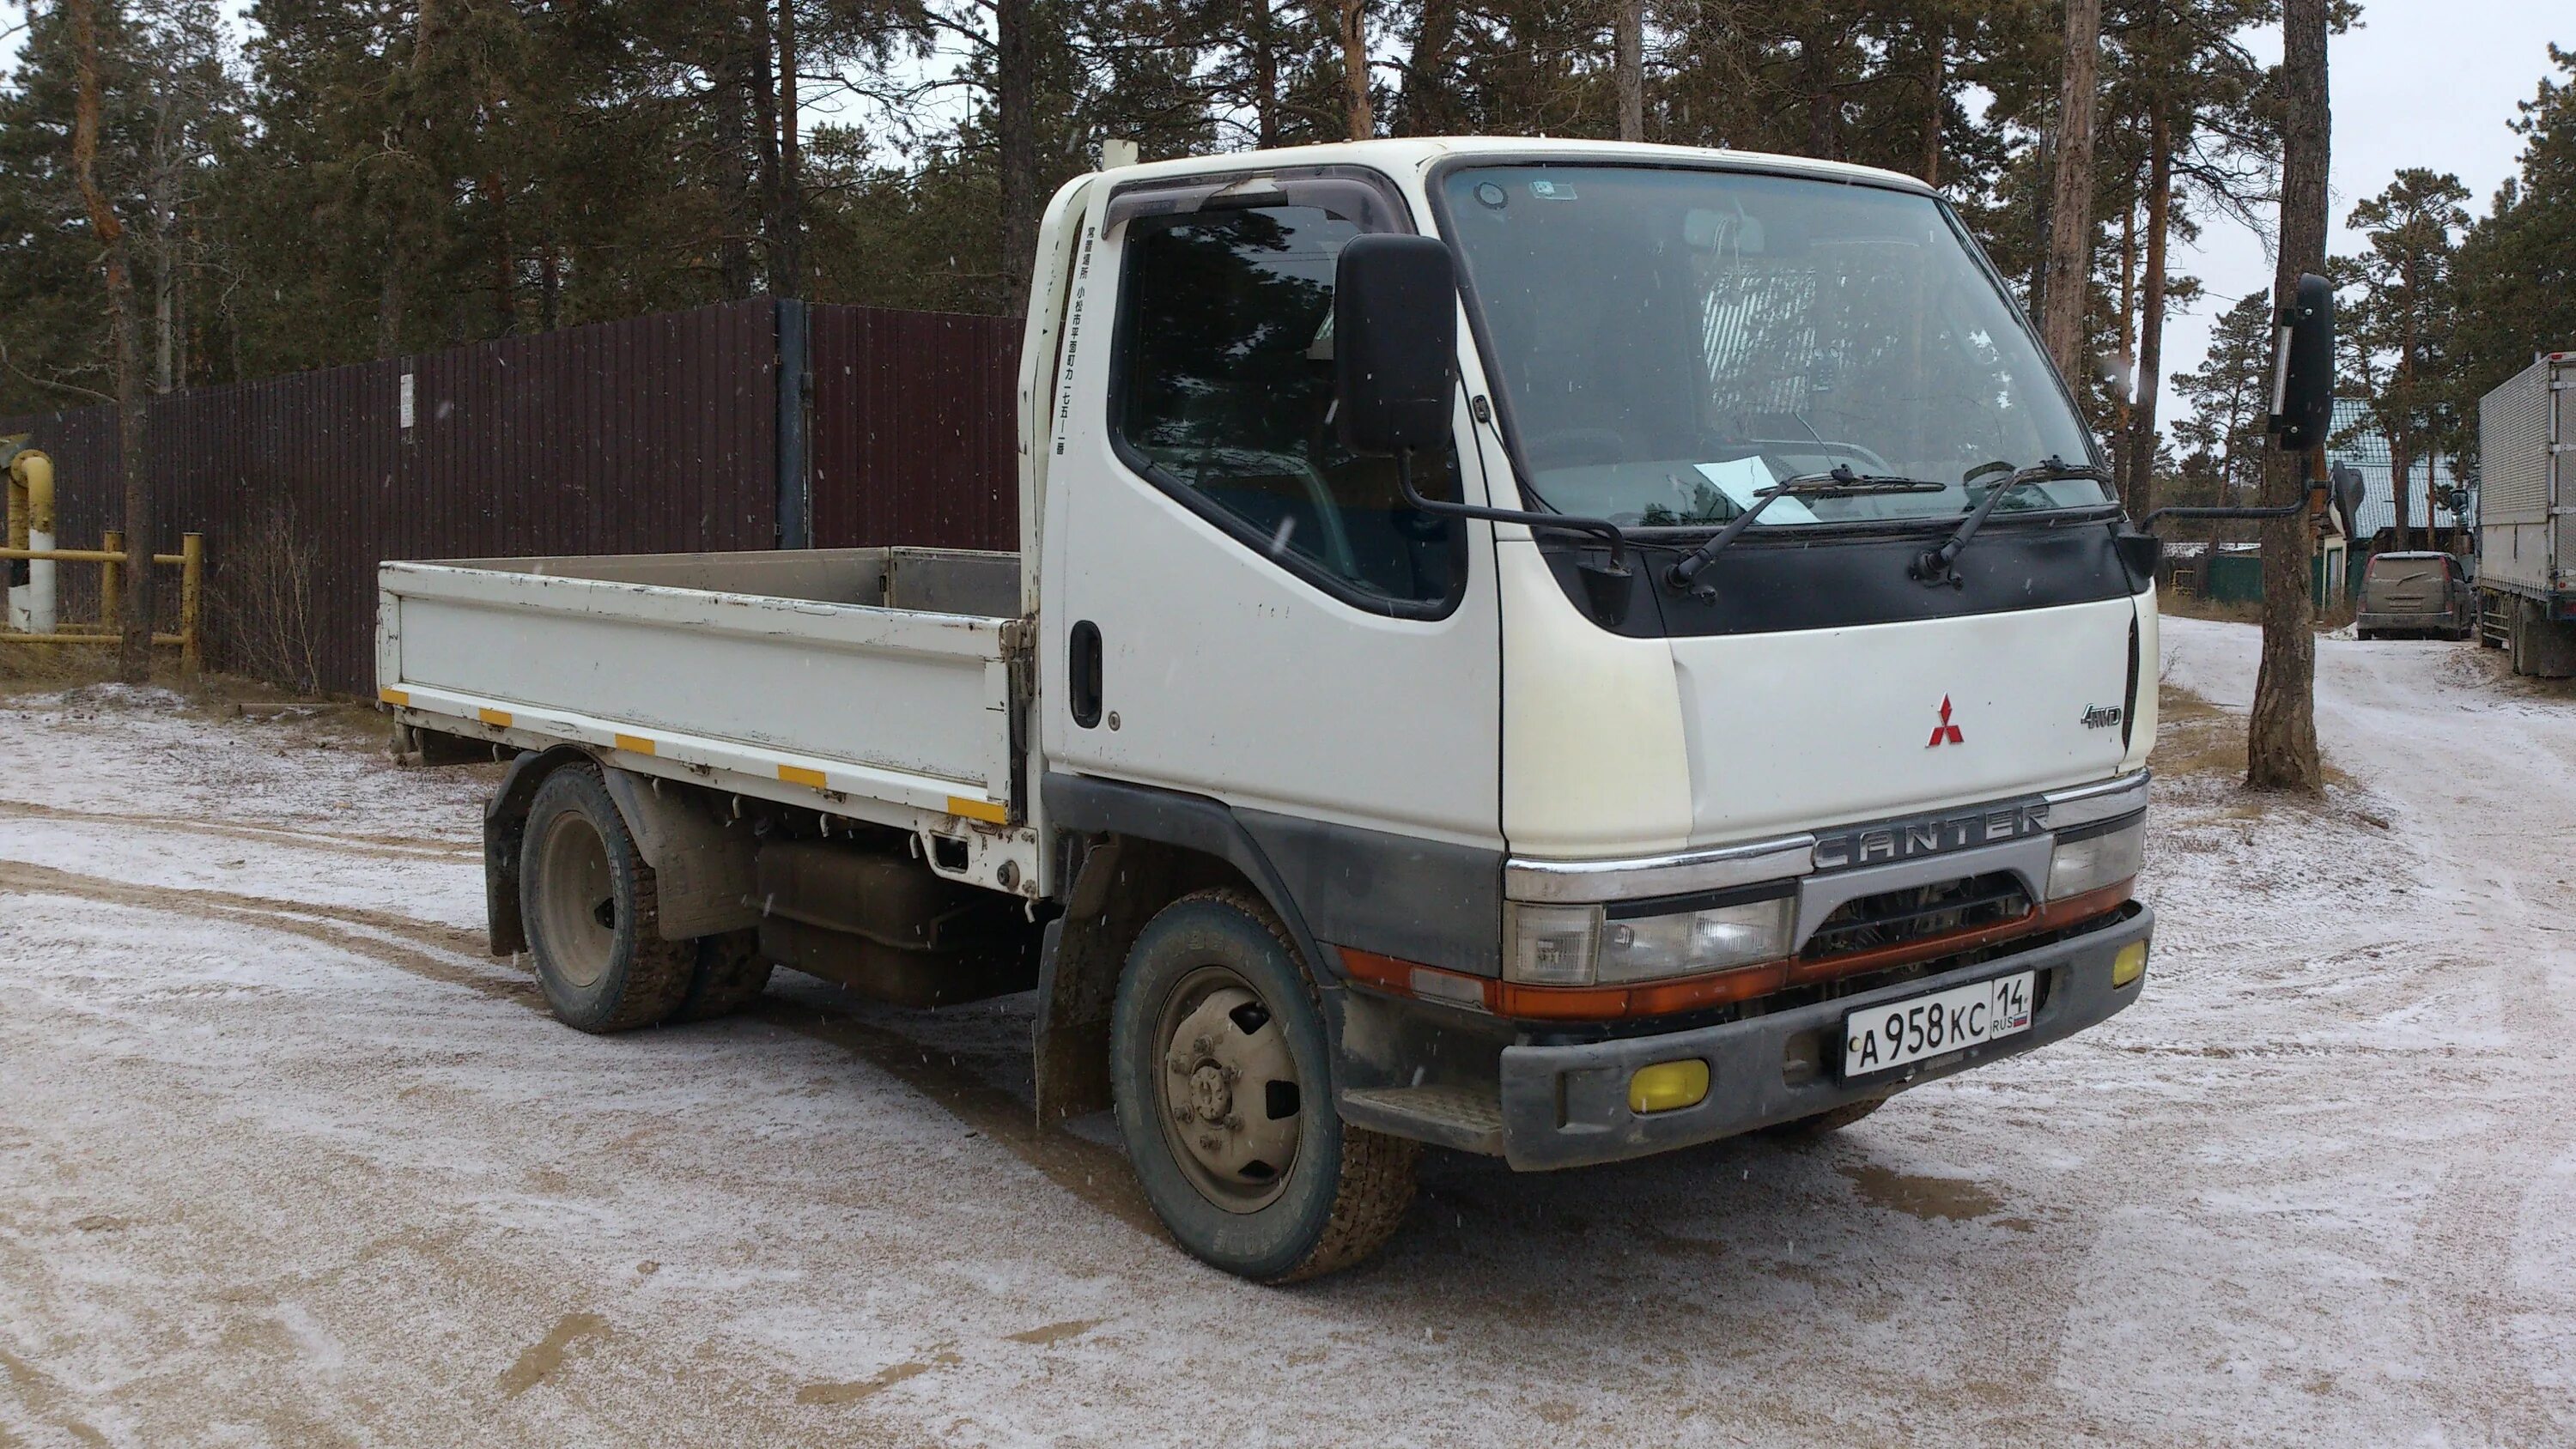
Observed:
{"x":1226,"y":1090}
{"x":577,"y":909}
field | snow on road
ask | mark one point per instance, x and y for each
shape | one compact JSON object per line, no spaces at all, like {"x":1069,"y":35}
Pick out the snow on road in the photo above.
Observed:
{"x":285,"y":1159}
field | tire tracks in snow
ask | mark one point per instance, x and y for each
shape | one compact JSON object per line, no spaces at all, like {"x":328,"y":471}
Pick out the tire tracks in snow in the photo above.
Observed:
{"x":396,"y":847}
{"x":1094,"y":1174}
{"x":2479,"y":830}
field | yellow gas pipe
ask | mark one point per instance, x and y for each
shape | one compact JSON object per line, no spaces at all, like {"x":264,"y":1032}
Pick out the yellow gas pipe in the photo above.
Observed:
{"x":31,"y":526}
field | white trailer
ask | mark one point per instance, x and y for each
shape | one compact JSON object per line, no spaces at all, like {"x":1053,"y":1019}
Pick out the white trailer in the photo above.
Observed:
{"x":1551,"y":649}
{"x":2527,"y":516}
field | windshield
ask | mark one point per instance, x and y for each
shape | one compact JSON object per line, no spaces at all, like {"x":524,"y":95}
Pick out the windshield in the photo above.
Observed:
{"x":1668,"y":341}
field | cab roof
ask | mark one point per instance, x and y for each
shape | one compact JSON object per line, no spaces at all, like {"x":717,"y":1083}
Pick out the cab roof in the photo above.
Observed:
{"x":1412,"y":155}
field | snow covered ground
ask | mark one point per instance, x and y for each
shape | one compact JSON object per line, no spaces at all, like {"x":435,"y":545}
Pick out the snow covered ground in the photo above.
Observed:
{"x":285,"y":1159}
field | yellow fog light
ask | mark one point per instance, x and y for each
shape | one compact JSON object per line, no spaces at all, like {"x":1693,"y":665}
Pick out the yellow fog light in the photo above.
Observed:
{"x":2129,"y":965}
{"x":1668,"y":1085}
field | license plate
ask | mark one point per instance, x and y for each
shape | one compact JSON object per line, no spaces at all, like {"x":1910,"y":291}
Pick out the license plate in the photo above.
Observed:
{"x":1883,"y":1037}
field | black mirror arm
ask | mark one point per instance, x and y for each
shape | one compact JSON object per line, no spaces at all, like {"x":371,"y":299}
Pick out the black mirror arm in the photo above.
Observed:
{"x":2286,"y":510}
{"x":1600,"y":528}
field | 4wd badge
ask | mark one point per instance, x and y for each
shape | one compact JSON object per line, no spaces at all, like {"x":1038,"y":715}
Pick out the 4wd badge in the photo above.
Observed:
{"x":1945,"y":731}
{"x":2102,"y":716}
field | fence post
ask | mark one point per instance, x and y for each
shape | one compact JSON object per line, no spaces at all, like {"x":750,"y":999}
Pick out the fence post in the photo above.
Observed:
{"x":111,"y":581}
{"x":192,"y":571}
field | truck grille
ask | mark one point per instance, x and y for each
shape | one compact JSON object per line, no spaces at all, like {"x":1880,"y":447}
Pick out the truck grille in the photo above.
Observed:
{"x":1893,"y":918}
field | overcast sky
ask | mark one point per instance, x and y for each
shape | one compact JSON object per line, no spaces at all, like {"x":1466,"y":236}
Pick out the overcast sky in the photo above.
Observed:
{"x":2428,"y":83}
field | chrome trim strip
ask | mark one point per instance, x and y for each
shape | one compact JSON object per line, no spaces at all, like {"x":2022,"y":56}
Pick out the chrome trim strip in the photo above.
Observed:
{"x":1586,"y":881}
{"x":2087,"y":803}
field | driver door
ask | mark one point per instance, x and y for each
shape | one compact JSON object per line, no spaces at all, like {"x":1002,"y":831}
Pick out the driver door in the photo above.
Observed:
{"x":1272,"y":627}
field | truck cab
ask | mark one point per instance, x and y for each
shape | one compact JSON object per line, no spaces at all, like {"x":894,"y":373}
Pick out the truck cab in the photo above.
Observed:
{"x":1727,"y":708}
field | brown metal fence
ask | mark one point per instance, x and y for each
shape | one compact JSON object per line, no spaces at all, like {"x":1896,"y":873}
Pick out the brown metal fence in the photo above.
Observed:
{"x":914,"y":439}
{"x":659,"y":433}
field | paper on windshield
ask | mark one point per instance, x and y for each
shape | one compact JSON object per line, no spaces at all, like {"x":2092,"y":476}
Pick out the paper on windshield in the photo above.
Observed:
{"x":1740,"y":480}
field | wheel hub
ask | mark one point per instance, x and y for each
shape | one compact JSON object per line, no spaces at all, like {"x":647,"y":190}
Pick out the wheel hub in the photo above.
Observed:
{"x":1229,"y":1091}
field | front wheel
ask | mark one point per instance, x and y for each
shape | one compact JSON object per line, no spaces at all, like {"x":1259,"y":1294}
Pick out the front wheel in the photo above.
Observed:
{"x":1222,"y":1074}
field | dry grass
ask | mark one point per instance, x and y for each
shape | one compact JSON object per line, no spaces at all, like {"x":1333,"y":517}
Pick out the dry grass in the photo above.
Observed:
{"x":2197,"y":740}
{"x":265,"y":618}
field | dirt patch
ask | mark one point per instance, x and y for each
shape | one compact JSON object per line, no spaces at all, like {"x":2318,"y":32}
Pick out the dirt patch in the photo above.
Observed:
{"x":542,"y":1358}
{"x":851,"y":1393}
{"x":1945,"y":1199}
{"x":1057,"y":1332}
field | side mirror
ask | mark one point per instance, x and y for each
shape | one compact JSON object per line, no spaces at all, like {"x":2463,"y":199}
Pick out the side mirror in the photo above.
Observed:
{"x":2348,"y":491}
{"x":2303,"y":366}
{"x":2458,"y":498}
{"x":1395,"y":344}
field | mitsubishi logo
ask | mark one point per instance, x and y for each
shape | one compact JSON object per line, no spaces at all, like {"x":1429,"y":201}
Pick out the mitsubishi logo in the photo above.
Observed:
{"x":1945,"y":730}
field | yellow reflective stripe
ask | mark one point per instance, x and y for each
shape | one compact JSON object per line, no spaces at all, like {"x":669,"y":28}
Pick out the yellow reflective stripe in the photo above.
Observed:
{"x":634,"y":744}
{"x":399,"y":698}
{"x":799,"y":775}
{"x":978,"y":809}
{"x":499,"y":718}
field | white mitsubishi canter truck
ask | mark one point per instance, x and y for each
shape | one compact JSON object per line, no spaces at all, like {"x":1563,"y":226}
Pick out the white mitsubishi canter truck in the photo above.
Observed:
{"x":1550,"y":649}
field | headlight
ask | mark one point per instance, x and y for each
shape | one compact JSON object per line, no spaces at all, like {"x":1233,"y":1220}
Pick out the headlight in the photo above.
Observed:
{"x":1584,"y":946}
{"x":2097,"y":860}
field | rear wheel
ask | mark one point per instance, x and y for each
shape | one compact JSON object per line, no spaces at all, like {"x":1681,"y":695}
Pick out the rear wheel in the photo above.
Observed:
{"x":588,"y":900}
{"x":1222,"y":1074}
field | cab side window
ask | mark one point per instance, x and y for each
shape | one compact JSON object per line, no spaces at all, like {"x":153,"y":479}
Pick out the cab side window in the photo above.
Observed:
{"x":1224,"y":396}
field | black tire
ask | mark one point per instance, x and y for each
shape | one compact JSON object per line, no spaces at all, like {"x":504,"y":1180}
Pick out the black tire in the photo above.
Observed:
{"x":587,"y":898}
{"x":1343,"y":1191}
{"x":2365,"y":633}
{"x":729,"y":974}
{"x":1832,"y":1119}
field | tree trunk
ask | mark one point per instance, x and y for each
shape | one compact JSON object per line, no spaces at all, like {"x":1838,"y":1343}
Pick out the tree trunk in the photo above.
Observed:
{"x":2282,"y":735}
{"x":1937,"y":48}
{"x":134,"y":654}
{"x":2070,"y":237}
{"x":1632,"y":70}
{"x":2151,"y":315}
{"x":1423,"y":108}
{"x":505,"y":264}
{"x":2400,"y":486}
{"x":1355,"y":68}
{"x":1265,"y":74}
{"x":764,"y":121}
{"x":790,"y":281}
{"x":2124,"y":400}
{"x":726,"y":95}
{"x":1016,"y":83}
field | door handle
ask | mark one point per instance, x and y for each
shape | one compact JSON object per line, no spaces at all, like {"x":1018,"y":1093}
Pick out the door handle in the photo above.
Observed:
{"x":1083,"y":670}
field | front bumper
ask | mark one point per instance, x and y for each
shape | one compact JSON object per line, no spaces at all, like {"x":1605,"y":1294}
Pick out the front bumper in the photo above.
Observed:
{"x":1567,"y":1106}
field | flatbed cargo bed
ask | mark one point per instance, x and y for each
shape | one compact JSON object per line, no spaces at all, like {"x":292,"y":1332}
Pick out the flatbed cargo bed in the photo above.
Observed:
{"x":874,"y":683}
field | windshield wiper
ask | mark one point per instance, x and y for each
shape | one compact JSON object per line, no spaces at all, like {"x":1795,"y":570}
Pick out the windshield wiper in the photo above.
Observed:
{"x":1935,"y":565}
{"x":1842,"y":482}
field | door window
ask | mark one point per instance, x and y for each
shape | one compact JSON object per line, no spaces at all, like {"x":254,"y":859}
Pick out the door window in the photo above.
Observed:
{"x":1224,"y":396}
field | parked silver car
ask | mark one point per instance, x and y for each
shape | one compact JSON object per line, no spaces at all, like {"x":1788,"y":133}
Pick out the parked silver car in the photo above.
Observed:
{"x":2416,"y":593}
